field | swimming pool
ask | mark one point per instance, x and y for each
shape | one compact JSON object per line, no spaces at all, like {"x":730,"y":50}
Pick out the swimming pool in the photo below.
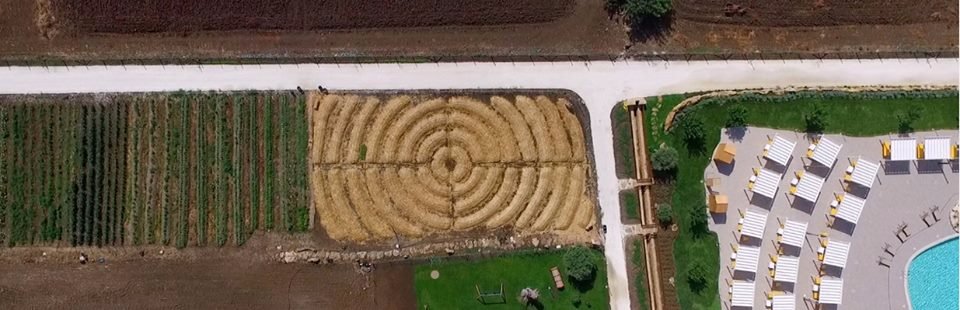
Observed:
{"x":932,"y":278}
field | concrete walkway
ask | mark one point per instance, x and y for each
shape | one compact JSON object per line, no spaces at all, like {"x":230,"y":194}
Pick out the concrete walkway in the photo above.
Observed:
{"x":873,"y":278}
{"x":600,"y":84}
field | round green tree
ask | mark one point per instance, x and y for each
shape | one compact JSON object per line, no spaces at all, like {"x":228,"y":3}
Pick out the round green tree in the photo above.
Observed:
{"x":665,"y":158}
{"x":737,"y":116}
{"x":580,"y":263}
{"x":664,"y":213}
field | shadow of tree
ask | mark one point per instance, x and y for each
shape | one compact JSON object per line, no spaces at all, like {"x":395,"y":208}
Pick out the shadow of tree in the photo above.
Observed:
{"x":651,"y":29}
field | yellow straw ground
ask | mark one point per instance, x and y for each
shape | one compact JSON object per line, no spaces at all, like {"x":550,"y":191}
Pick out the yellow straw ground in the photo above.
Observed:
{"x":412,"y":167}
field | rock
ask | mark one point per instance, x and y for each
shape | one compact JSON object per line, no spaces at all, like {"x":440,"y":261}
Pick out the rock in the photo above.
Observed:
{"x":313,"y":260}
{"x":161,"y":252}
{"x":449,"y":251}
{"x":536,"y":242}
{"x":288,"y":257}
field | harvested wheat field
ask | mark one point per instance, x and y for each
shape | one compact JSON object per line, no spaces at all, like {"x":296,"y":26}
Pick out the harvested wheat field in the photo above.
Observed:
{"x":411,"y":166}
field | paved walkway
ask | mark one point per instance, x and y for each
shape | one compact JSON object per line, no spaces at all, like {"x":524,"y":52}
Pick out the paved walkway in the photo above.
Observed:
{"x":601,"y":84}
{"x":897,"y":196}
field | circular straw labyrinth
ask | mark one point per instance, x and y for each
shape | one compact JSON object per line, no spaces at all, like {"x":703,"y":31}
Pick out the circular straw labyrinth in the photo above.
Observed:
{"x":410,"y":167}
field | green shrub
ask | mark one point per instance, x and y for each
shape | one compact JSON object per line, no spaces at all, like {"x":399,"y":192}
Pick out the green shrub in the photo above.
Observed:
{"x":737,"y":116}
{"x":580,"y":263}
{"x":664,"y":213}
{"x":637,"y":10}
{"x":665,"y":158}
{"x":692,"y":131}
{"x":816,"y":119}
{"x":905,"y":120}
{"x":697,"y":277}
{"x":697,"y":221}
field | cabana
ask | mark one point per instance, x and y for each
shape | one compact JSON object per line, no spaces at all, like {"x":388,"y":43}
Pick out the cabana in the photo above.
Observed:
{"x":836,"y":253}
{"x":786,"y":269}
{"x":864,"y":172}
{"x":784,"y":302}
{"x":779,"y":150}
{"x":742,"y":294}
{"x":747,"y":258}
{"x":903,"y":149}
{"x":754,"y":223}
{"x":767,"y":183}
{"x":831,"y":291}
{"x":809,"y":187}
{"x":793,"y":233}
{"x":825,"y":152}
{"x":725,"y":153}
{"x":936,"y":148}
{"x":850,"y":208}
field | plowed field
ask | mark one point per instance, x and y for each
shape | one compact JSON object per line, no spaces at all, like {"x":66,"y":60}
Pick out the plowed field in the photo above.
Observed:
{"x":135,"y":16}
{"x":409,"y":166}
{"x":818,"y":13}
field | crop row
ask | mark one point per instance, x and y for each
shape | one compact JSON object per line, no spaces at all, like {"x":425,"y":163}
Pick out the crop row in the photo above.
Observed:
{"x":165,"y":169}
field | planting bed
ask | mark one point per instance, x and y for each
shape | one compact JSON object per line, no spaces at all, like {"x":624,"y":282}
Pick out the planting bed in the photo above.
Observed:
{"x":386,"y":167}
{"x":151,"y":169}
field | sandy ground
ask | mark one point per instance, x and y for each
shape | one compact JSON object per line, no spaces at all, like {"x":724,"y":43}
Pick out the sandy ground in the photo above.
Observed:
{"x":600,"y":84}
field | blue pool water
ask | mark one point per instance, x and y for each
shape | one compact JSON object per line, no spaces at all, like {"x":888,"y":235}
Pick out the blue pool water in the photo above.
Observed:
{"x":932,"y":278}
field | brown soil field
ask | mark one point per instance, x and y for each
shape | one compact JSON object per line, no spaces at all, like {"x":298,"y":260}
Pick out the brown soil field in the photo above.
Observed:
{"x":248,"y":277}
{"x":137,"y":16}
{"x":818,"y":12}
{"x":411,"y":166}
{"x":565,"y":27}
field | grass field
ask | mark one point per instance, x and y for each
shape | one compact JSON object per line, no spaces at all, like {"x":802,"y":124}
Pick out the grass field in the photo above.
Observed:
{"x":170,"y":169}
{"x":455,"y":288}
{"x":855,"y":115}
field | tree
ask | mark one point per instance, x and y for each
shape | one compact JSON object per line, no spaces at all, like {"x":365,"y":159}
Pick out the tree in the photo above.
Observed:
{"x":665,"y":158}
{"x":697,"y":220}
{"x":697,"y":276}
{"x":637,"y":10}
{"x":737,"y":116}
{"x":529,"y":296}
{"x":815,"y":120}
{"x":692,"y":132}
{"x":580,"y":263}
{"x":664,"y":213}
{"x":906,"y":120}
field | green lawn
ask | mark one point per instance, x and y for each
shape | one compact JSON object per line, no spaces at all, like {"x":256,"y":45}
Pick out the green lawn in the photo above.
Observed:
{"x":623,"y":142}
{"x":640,"y":282}
{"x":629,"y":203}
{"x":855,"y":115}
{"x":455,"y":288}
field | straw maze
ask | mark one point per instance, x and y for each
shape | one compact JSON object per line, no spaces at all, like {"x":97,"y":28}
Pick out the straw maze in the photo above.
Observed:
{"x":176,"y":169}
{"x":384,"y":168}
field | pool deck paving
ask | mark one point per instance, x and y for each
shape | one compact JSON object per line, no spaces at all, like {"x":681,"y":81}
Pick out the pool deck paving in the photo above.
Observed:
{"x":873,"y":278}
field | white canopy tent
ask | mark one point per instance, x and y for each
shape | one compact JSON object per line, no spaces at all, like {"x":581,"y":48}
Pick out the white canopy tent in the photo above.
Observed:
{"x":794,"y":233}
{"x":850,"y":208}
{"x":747,"y":258}
{"x":786,"y":269}
{"x":865,"y":172}
{"x":831,"y":291}
{"x":826,"y":152}
{"x":936,"y":148}
{"x":743,"y":293}
{"x":754,"y":224}
{"x":836,"y":254}
{"x":784,"y":302}
{"x":780,"y":150}
{"x":767,"y":183}
{"x":809,"y":187}
{"x":903,"y":149}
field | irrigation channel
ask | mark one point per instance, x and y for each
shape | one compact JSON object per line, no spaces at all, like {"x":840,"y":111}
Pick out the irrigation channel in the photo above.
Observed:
{"x":647,"y":214}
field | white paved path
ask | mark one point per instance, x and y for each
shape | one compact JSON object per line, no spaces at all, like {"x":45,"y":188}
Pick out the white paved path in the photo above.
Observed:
{"x":601,"y":84}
